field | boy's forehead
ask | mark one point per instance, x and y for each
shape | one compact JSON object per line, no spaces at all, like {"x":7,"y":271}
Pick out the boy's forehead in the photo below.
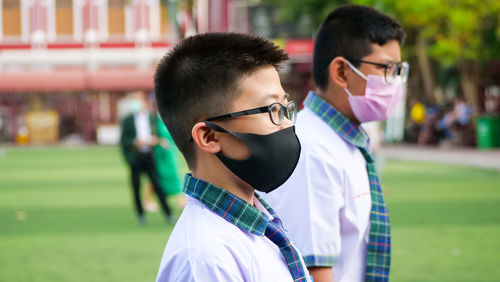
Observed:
{"x":389,"y":52}
{"x":260,"y":88}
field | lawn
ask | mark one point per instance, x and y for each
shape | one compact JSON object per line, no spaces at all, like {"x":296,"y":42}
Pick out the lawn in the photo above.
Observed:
{"x":66,"y":215}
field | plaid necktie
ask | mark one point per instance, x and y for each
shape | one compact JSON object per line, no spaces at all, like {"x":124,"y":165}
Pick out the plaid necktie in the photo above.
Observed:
{"x":275,"y":233}
{"x":378,"y":255}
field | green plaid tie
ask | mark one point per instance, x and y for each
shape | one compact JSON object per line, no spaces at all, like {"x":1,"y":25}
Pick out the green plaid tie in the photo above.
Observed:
{"x":276,"y":234}
{"x":378,"y":255}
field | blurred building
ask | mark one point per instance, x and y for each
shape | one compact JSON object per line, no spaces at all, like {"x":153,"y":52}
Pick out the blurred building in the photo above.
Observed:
{"x":66,"y":65}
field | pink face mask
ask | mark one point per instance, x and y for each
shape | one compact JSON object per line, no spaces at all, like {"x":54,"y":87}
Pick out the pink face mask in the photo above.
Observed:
{"x":380,"y":99}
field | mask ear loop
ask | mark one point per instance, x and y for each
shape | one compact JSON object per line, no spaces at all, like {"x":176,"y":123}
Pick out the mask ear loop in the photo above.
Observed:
{"x":356,"y":71}
{"x":212,"y":126}
{"x":216,"y":127}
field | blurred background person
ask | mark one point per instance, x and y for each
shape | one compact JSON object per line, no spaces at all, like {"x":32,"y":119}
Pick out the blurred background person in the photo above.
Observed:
{"x":415,"y":120}
{"x":455,"y":125}
{"x":138,"y":138}
{"x":167,"y":165}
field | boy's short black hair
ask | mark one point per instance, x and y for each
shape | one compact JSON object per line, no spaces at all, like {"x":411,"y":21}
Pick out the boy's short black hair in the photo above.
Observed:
{"x":349,"y":31}
{"x":199,"y":79}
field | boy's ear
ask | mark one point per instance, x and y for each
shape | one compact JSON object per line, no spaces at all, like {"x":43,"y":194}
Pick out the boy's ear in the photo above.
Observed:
{"x":336,"y":71}
{"x":205,"y":138}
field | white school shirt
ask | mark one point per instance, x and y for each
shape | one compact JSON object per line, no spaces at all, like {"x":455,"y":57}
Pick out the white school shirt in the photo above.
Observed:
{"x":143,"y":128}
{"x":205,"y":247}
{"x":325,"y":204}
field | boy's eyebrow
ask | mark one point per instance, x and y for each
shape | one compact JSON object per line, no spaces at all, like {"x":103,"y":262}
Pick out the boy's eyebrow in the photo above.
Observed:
{"x":273,"y":96}
{"x":391,"y":62}
{"x":277,"y":96}
{"x":389,"y":59}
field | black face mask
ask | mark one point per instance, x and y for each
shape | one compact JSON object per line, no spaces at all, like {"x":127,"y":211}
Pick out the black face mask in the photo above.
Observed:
{"x":273,"y":157}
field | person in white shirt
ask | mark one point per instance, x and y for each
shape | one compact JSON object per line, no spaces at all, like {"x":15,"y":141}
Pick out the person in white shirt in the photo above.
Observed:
{"x":333,"y":205}
{"x":220,"y":96}
{"x":137,"y":141}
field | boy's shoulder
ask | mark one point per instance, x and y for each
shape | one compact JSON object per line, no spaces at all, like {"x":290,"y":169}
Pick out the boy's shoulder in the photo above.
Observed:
{"x":201,"y":233}
{"x":317,"y":138}
{"x":203,"y":240}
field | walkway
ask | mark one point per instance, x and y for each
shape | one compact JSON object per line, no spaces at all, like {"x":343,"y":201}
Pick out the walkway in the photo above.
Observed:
{"x":459,"y":156}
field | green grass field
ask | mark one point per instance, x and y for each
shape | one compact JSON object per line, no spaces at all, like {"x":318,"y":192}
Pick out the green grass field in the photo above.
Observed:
{"x":66,"y":215}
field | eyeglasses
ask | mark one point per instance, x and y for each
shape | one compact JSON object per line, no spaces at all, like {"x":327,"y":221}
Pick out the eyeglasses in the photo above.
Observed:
{"x":391,"y":70}
{"x":277,"y":113}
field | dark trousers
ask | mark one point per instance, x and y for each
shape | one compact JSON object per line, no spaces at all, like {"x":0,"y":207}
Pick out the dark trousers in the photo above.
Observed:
{"x":145,"y":163}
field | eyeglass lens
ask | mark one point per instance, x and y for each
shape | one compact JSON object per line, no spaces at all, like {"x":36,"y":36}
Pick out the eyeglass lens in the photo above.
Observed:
{"x":291,"y":110}
{"x":278,"y":112}
{"x":395,"y":70}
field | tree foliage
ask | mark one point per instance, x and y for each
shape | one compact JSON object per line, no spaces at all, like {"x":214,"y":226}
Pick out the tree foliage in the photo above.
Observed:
{"x":317,"y":10}
{"x":457,"y":30}
{"x":446,"y":34}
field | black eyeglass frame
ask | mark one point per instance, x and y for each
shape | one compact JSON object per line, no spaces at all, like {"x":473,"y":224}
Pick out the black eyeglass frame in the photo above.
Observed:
{"x":260,"y":110}
{"x":399,"y":68}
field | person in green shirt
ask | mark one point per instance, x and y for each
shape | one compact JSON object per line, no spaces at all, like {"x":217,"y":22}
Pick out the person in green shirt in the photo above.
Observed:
{"x":168,"y":164}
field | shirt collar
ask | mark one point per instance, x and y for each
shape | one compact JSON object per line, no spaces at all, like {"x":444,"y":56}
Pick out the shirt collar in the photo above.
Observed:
{"x":227,"y":205}
{"x":344,"y":127}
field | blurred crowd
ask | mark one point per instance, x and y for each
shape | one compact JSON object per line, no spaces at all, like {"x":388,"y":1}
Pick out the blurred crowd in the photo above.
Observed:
{"x":446,"y":124}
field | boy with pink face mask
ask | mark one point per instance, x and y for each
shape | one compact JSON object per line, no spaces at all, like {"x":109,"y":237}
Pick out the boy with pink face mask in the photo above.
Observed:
{"x":332,"y":205}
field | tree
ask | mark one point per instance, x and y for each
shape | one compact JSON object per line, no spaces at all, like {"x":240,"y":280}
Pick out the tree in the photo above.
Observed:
{"x":181,"y":17}
{"x":317,"y":10}
{"x":454,"y":33}
{"x":460,"y":34}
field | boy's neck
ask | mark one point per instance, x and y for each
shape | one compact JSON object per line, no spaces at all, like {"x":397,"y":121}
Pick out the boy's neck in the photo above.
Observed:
{"x":233,"y":185}
{"x":338,"y":98}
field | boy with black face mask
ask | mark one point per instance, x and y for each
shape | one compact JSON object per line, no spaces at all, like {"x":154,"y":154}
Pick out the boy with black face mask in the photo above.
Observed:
{"x":220,"y":96}
{"x":333,"y":204}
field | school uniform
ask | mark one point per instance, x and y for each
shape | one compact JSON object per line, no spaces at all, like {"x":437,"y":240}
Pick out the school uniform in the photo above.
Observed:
{"x":220,"y":237}
{"x":326,"y":205}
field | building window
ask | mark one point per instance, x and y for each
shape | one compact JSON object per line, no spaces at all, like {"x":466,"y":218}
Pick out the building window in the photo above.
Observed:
{"x":10,"y":24}
{"x":90,"y":20}
{"x":64,"y":17}
{"x":142,"y":20}
{"x":116,"y":15}
{"x":38,"y":21}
